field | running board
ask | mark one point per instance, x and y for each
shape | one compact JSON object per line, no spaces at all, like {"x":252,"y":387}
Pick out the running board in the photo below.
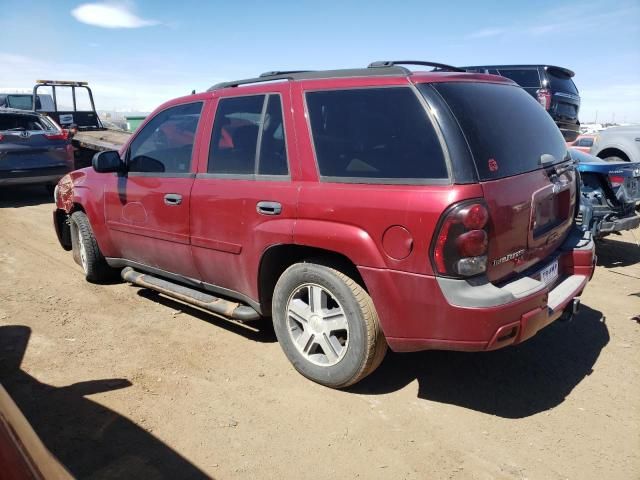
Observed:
{"x":192,"y":296}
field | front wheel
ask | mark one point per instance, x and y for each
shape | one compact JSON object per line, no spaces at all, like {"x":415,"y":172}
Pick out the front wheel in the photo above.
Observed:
{"x":327,"y":325}
{"x":86,"y":252}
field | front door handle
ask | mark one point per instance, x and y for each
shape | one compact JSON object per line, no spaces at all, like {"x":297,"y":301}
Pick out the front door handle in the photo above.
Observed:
{"x":172,"y":199}
{"x":269,"y":208}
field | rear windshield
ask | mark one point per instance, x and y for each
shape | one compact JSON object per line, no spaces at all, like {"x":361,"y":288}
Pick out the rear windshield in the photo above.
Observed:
{"x":506,"y":128}
{"x":18,"y":122}
{"x":22,"y":102}
{"x":380,"y":134}
{"x":524,"y":78}
{"x":560,"y":82}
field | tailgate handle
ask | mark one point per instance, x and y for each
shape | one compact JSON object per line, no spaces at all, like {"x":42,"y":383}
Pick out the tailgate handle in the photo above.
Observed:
{"x":172,"y":199}
{"x":269,"y":208}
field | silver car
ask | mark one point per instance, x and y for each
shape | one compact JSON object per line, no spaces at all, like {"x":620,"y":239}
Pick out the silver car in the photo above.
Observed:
{"x":617,"y":144}
{"x":33,"y":149}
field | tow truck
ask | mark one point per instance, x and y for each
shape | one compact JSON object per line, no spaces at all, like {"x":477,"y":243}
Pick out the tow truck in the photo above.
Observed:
{"x":88,"y":133}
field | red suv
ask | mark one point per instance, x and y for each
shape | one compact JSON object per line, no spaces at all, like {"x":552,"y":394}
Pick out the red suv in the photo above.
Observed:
{"x":356,"y":208}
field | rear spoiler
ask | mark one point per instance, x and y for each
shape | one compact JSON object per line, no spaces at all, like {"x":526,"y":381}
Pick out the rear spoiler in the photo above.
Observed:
{"x":565,"y":71}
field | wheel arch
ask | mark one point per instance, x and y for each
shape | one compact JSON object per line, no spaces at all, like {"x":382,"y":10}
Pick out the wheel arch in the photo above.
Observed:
{"x":613,"y":152}
{"x":276,"y":259}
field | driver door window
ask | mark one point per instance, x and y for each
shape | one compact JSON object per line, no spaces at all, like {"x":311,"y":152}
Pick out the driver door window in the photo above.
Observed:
{"x":165,"y":144}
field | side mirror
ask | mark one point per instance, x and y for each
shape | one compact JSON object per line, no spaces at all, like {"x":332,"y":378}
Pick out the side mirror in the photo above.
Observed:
{"x":107,"y":161}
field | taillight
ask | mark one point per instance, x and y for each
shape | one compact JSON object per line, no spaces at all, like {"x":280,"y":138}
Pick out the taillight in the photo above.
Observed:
{"x":616,"y":180}
{"x":460,"y":247}
{"x":544,"y":97}
{"x":1,"y":137}
{"x":61,"y":135}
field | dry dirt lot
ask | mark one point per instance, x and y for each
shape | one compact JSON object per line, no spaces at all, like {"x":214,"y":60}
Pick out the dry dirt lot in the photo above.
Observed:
{"x":122,"y":383}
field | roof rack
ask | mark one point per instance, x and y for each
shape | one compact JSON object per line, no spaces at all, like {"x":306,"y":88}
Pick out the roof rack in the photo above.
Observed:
{"x":437,"y":66}
{"x":313,"y":74}
{"x":282,"y":72}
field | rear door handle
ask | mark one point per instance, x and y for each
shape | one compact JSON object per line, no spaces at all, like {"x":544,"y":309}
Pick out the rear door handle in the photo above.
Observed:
{"x":269,"y":208}
{"x":172,"y":199}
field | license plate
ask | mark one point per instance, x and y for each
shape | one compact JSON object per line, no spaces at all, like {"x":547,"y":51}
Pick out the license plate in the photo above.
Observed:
{"x":549,"y":273}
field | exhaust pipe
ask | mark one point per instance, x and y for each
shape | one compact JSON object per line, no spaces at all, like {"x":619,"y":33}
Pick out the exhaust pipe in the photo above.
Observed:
{"x":570,"y":310}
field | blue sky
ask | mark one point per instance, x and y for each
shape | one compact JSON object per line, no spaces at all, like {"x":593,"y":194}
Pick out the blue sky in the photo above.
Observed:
{"x":138,"y":54}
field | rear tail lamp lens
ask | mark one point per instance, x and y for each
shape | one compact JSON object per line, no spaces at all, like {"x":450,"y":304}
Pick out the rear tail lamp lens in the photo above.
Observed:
{"x":616,"y":180}
{"x":62,"y":135}
{"x":544,"y":97}
{"x":460,"y":247}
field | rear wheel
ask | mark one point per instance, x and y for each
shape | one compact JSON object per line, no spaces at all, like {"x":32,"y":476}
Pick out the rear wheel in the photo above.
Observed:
{"x":615,"y":159}
{"x":86,"y":252}
{"x":327,"y":325}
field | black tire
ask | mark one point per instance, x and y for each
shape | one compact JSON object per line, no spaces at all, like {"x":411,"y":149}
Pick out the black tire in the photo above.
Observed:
{"x":366,"y":345}
{"x":615,"y":159}
{"x":93,"y":264}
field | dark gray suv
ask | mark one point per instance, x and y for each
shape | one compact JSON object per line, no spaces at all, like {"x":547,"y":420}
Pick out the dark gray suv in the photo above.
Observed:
{"x":552,"y":86}
{"x":33,"y":149}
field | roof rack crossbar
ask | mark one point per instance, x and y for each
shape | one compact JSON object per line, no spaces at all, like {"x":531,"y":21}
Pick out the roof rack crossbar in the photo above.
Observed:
{"x":437,"y":66}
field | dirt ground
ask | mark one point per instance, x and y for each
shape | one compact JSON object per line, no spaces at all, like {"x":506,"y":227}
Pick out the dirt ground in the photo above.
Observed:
{"x":122,"y":383}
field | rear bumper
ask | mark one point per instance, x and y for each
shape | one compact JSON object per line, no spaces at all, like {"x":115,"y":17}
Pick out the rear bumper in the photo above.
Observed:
{"x":43,"y":175}
{"x":570,"y":131}
{"x":420,"y":312}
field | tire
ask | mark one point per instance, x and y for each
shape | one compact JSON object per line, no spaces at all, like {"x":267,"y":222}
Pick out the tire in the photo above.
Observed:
{"x":614,"y":159}
{"x":86,"y":252}
{"x":336,"y":357}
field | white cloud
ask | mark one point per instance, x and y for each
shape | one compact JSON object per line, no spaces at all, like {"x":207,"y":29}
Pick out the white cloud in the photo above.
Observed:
{"x":110,"y":15}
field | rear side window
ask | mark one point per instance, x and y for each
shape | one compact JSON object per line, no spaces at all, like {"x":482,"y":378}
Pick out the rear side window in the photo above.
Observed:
{"x":561,"y":82}
{"x":584,"y":142}
{"x":524,"y":78}
{"x":248,"y":137}
{"x":374,"y":133}
{"x":506,"y":128}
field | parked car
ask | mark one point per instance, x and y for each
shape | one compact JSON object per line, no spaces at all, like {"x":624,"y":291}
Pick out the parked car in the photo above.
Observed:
{"x":552,"y":86}
{"x":609,"y":194}
{"x":583,"y":143}
{"x":22,"y":453}
{"x":24,"y":101}
{"x":357,"y":208}
{"x":616,"y":144}
{"x":33,"y":149}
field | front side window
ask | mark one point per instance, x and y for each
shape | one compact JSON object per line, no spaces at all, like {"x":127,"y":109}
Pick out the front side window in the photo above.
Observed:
{"x":165,"y":143}
{"x":374,"y":133}
{"x":248,"y":137}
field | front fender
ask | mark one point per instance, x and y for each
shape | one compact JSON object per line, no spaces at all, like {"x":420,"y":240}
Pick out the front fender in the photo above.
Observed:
{"x":79,"y":191}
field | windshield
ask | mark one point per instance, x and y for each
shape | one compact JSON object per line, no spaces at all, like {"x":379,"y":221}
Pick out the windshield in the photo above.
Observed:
{"x":507,"y":130}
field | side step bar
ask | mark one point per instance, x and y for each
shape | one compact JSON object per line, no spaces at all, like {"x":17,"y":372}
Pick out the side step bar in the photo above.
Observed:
{"x":200,"y":299}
